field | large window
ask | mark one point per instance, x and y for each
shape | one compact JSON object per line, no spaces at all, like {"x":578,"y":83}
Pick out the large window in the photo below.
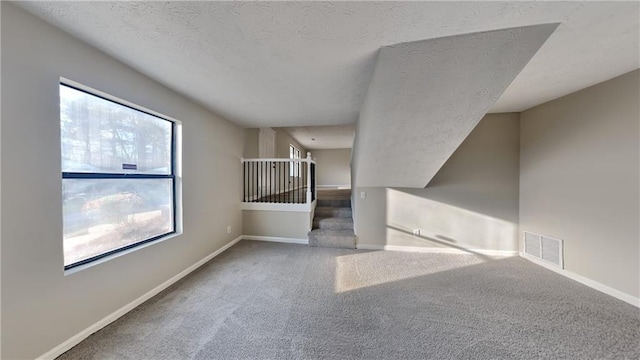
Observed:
{"x":118,"y":176}
{"x":294,"y":168}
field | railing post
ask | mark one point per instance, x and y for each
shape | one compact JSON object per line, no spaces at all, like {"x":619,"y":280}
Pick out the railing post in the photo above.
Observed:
{"x":244,"y":179}
{"x":308,"y":178}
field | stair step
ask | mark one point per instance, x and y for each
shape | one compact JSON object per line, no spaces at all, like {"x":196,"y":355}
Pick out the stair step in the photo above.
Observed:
{"x":334,"y":194}
{"x":340,"y":203}
{"x":333,"y":212}
{"x":333,"y":223}
{"x":345,"y":239}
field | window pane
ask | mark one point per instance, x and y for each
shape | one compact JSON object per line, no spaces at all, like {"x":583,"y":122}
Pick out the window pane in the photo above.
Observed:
{"x":99,"y":136}
{"x":101,"y":215}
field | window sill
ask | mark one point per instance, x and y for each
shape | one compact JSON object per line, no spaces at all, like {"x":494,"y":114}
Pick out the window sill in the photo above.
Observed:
{"x":118,"y":254}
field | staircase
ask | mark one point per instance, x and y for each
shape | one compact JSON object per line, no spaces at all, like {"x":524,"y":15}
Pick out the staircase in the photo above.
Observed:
{"x":332,"y":223}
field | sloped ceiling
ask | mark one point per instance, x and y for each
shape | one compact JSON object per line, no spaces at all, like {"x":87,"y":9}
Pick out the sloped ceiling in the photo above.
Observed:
{"x":425,"y":97}
{"x":271,"y":64}
{"x":303,"y":64}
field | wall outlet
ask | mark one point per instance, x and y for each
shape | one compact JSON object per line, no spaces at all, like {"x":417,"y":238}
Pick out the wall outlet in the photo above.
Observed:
{"x":363,"y":195}
{"x":416,"y":232}
{"x":229,"y":229}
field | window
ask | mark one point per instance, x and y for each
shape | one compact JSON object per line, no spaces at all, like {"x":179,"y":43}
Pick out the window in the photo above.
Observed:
{"x":118,"y":176}
{"x":294,"y":153}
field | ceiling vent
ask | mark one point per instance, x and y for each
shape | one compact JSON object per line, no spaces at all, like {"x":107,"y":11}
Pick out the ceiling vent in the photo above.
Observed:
{"x":545,"y":248}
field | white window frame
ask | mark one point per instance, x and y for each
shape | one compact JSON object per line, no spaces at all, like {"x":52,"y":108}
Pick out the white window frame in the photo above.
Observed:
{"x":175,"y":175}
{"x":294,"y":153}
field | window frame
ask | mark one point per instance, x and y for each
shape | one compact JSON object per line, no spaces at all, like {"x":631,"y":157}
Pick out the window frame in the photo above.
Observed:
{"x":172,"y":175}
{"x":295,"y":166}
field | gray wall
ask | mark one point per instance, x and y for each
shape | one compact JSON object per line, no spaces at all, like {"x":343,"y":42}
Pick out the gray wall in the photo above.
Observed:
{"x":579,"y":179}
{"x":41,"y":306}
{"x":283,"y":139}
{"x":284,"y":224}
{"x":472,"y":202}
{"x":332,"y":167}
{"x":251,"y":137}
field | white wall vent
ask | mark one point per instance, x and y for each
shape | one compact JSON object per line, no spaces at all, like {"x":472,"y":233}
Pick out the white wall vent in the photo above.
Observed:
{"x":544,"y":247}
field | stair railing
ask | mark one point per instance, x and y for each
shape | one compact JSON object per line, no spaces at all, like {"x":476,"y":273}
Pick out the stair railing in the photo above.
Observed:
{"x":279,"y":181}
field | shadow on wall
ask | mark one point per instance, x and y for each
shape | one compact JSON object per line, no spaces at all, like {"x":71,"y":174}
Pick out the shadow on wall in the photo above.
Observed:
{"x":447,"y":243}
{"x":395,"y":217}
{"x":471,"y":203}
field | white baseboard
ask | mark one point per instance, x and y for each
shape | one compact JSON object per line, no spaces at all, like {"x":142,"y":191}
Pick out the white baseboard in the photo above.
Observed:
{"x":276,"y":239}
{"x":437,"y":250}
{"x":76,"y":339}
{"x":630,"y":299}
{"x":304,"y":207}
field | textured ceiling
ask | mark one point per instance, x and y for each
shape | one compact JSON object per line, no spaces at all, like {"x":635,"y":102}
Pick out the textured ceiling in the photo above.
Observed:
{"x":425,"y":97}
{"x":323,"y":137}
{"x":309,"y":63}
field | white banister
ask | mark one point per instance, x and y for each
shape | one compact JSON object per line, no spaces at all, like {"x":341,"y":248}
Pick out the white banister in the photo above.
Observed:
{"x":307,"y":160}
{"x":309,"y":178}
{"x":278,"y":180}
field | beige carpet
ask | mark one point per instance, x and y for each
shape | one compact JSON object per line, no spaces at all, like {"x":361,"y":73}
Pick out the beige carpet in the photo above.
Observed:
{"x":279,"y":301}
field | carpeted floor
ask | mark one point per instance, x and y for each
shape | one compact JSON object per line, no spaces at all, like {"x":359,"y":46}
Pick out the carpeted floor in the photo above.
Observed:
{"x":281,"y":301}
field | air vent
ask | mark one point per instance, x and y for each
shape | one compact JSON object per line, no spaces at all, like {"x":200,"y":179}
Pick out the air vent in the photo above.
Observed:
{"x":544,"y":247}
{"x":532,"y":244}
